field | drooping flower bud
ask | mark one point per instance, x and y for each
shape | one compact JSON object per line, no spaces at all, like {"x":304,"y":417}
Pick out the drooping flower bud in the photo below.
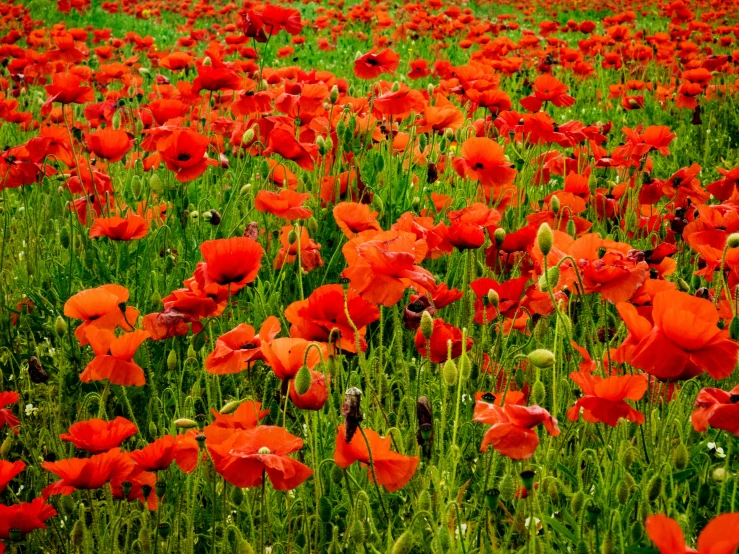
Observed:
{"x":303,"y":380}
{"x":499,"y":236}
{"x":545,"y":238}
{"x":541,"y":358}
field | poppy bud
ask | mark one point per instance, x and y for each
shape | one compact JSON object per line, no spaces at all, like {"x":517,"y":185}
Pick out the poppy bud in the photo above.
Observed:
{"x":77,"y":536}
{"x":577,"y":501}
{"x":554,"y":203}
{"x":396,"y":86}
{"x":538,"y":393}
{"x":442,"y":145}
{"x":153,"y":431}
{"x":337,"y":475}
{"x":244,"y":547}
{"x":449,"y":134}
{"x":60,"y":326}
{"x":507,"y":488}
{"x":680,"y":454}
{"x":541,"y":329}
{"x":352,"y":412}
{"x":733,"y":240}
{"x":303,"y":380}
{"x":64,"y":237}
{"x":544,"y":238}
{"x":333,"y":95}
{"x":734,"y":328}
{"x":155,"y":298}
{"x":549,"y":280}
{"x":541,"y":358}
{"x":654,"y":488}
{"x":424,"y":500}
{"x":356,"y":532}
{"x":465,"y":366}
{"x":404,"y":544}
{"x":116,"y":120}
{"x":637,"y":532}
{"x":172,"y":360}
{"x":704,"y":494}
{"x":571,"y":230}
{"x":321,"y":145}
{"x":493,"y":298}
{"x":683,"y":286}
{"x":207,"y":62}
{"x":324,"y":509}
{"x":449,"y":373}
{"x":422,"y":142}
{"x":427,"y":325}
{"x":444,"y":539}
{"x":582,"y":547}
{"x":622,"y":492}
{"x":236,"y":496}
{"x":155,"y":184}
{"x":499,"y":236}
{"x":6,"y":446}
{"x":329,"y":144}
{"x":292,"y":236}
{"x":247,"y":137}
{"x":184,"y":423}
{"x":230,"y":407}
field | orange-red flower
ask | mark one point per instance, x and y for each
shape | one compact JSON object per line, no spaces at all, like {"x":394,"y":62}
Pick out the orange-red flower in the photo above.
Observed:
{"x":392,"y":470}
{"x":184,"y":153}
{"x":97,"y":435}
{"x":8,"y":471}
{"x":88,"y":473}
{"x":482,"y":159}
{"x":310,"y":250}
{"x":513,"y":431}
{"x":8,"y":398}
{"x":135,"y":483}
{"x":240,"y":347}
{"x":445,"y":342}
{"x":245,"y":456}
{"x":157,"y":455}
{"x":354,"y":218}
{"x":131,"y":227}
{"x":287,"y":355}
{"x":103,"y":308}
{"x":720,"y":536}
{"x":316,"y":395}
{"x":246,"y":416}
{"x":604,"y":399}
{"x":110,"y":144}
{"x":24,"y":517}
{"x":371,"y":65}
{"x":718,"y":409}
{"x":681,"y":339}
{"x":324,"y":311}
{"x":286,"y":204}
{"x":547,"y":89}
{"x":232,"y":263}
{"x":114,"y":358}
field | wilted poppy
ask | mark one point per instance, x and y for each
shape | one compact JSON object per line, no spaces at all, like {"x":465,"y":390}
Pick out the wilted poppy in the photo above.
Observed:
{"x":392,"y":470}
{"x":97,"y":435}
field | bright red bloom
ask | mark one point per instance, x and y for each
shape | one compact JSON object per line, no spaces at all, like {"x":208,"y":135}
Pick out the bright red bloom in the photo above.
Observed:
{"x":315,"y":397}
{"x":114,"y":358}
{"x":287,"y":355}
{"x":65,"y":88}
{"x":604,"y":398}
{"x":103,"y":308}
{"x":310,"y":250}
{"x":354,"y":218}
{"x":184,"y":153}
{"x":547,"y":89}
{"x":246,"y":455}
{"x":131,"y":227}
{"x":88,"y":473}
{"x":232,"y":263}
{"x":323,"y":311}
{"x":371,"y":65}
{"x":156,"y":456}
{"x":513,"y":431}
{"x":24,"y":517}
{"x":286,"y":204}
{"x":97,"y":435}
{"x":212,"y":78}
{"x":717,"y":408}
{"x":720,"y":536}
{"x":240,"y":347}
{"x":393,"y":470}
{"x":6,"y":415}
{"x":283,"y":142}
{"x":110,"y":144}
{"x":246,"y":416}
{"x":137,"y":480}
{"x":681,"y":340}
{"x":8,"y":471}
{"x":441,"y":336}
{"x":482,"y":159}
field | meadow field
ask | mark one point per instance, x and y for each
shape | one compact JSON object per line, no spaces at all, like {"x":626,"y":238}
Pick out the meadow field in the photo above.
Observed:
{"x":369,"y":277}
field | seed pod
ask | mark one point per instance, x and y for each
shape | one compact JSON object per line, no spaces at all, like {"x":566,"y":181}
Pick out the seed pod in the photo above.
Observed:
{"x":449,"y":373}
{"x":545,"y":238}
{"x":507,"y":488}
{"x":36,"y":372}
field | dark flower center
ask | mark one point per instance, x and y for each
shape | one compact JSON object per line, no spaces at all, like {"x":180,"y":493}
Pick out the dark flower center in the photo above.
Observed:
{"x":183,"y":157}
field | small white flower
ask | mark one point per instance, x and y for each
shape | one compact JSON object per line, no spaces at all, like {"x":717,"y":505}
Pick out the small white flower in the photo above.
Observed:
{"x":29,"y":409}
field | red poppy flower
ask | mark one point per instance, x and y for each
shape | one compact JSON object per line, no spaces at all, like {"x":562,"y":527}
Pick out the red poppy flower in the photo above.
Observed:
{"x":286,"y":204}
{"x":88,"y":473}
{"x":212,"y":78}
{"x":371,"y":65}
{"x":8,"y":398}
{"x":467,"y":229}
{"x":240,"y":347}
{"x":681,"y":340}
{"x":513,"y":431}
{"x":509,"y":293}
{"x":184,"y":153}
{"x":110,"y":144}
{"x":720,"y":536}
{"x":156,"y":456}
{"x":393,"y":470}
{"x":131,"y":227}
{"x":65,"y":88}
{"x":323,"y":311}
{"x":315,"y":397}
{"x":245,"y":456}
{"x":8,"y":471}
{"x":114,"y":358}
{"x":232,"y":263}
{"x":287,"y":355}
{"x":135,"y":483}
{"x":547,"y":89}
{"x":310,"y":250}
{"x":382,"y":266}
{"x":187,"y":451}
{"x":277,"y":18}
{"x":482,"y":159}
{"x":717,"y":408}
{"x":441,"y":337}
{"x":24,"y":517}
{"x":246,"y":416}
{"x":97,"y":435}
{"x":604,"y":398}
{"x":354,"y":218}
{"x":283,"y":142}
{"x":103,"y":308}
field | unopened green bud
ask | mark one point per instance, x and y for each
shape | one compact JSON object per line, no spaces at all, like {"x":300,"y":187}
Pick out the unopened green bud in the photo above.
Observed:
{"x":538,"y":393}
{"x":654,"y":488}
{"x":493,"y":298}
{"x":333,"y":95}
{"x":541,"y":358}
{"x":507,"y":488}
{"x":733,"y":240}
{"x":571,"y":229}
{"x":680,"y":455}
{"x":116,"y":120}
{"x":237,"y":496}
{"x":172,"y":360}
{"x":577,"y":502}
{"x":185,"y":423}
{"x":230,"y":407}
{"x":554,"y":203}
{"x":499,"y":236}
{"x":549,"y":280}
{"x":303,"y":380}
{"x":337,"y":475}
{"x":155,"y":184}
{"x":622,"y":492}
{"x":427,"y":325}
{"x":545,"y":238}
{"x":60,"y":326}
{"x":449,"y":373}
{"x":64,"y":239}
{"x":324,"y":509}
{"x":356,"y":532}
{"x":404,"y":544}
